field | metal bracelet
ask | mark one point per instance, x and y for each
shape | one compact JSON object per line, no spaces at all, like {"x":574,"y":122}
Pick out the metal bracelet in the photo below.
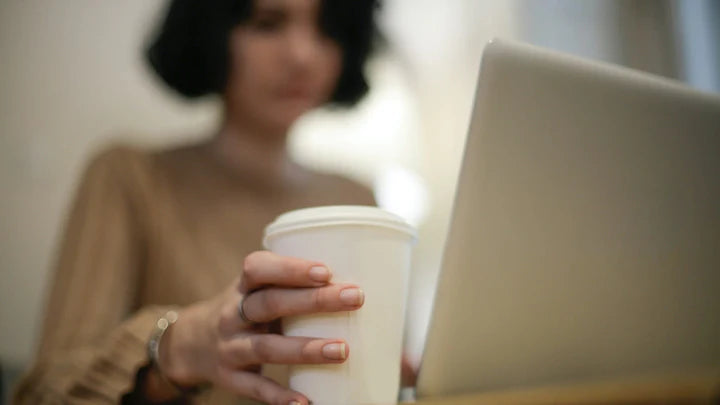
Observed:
{"x":153,"y":348}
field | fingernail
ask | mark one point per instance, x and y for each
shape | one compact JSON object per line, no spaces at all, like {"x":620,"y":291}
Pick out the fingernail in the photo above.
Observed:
{"x":293,"y":402}
{"x":320,"y":273}
{"x":352,"y":296}
{"x":334,"y":351}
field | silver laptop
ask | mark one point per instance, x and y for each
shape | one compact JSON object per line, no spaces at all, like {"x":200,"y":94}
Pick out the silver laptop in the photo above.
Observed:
{"x":585,"y":237}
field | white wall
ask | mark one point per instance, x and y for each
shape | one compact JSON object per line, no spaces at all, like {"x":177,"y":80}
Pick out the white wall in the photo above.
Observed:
{"x":70,"y":78}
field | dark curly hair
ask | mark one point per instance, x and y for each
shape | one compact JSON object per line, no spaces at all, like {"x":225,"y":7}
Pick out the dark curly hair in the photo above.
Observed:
{"x":190,"y":48}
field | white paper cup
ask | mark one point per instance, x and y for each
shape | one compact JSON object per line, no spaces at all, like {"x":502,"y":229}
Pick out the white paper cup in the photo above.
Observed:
{"x":371,"y":248}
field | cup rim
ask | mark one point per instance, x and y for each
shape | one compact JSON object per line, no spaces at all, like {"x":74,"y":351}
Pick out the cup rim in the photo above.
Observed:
{"x":337,"y":215}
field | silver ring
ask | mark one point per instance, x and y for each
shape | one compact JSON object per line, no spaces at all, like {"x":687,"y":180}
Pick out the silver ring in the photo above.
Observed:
{"x":241,"y":311}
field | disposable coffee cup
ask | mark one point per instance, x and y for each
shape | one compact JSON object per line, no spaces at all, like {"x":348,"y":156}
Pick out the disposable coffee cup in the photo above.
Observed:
{"x":369,"y":247}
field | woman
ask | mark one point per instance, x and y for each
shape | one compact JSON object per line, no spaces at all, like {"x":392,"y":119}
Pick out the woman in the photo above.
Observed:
{"x":155,"y":235}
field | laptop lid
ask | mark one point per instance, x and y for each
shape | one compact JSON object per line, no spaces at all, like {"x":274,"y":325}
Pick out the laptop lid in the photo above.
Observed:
{"x":585,"y":236}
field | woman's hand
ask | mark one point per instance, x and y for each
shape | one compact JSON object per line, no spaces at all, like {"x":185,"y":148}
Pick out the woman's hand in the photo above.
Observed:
{"x":408,"y":372}
{"x":210,"y":343}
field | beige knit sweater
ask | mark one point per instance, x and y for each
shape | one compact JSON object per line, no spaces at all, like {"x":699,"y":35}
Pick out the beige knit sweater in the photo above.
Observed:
{"x":149,"y":230}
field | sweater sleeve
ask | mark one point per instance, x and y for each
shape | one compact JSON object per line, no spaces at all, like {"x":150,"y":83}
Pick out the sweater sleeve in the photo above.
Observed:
{"x":94,"y":335}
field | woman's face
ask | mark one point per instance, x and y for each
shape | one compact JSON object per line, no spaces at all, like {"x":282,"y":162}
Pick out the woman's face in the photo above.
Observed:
{"x":282,"y":64}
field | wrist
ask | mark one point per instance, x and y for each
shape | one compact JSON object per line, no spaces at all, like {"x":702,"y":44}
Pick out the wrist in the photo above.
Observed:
{"x":174,"y":354}
{"x":156,"y":385}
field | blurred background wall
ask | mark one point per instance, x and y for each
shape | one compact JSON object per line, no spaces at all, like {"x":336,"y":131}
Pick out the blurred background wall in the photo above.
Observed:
{"x":72,"y":80}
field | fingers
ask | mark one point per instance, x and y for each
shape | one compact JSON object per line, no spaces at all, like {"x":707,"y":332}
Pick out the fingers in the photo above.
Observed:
{"x":266,"y":268}
{"x":259,"y":388}
{"x":249,"y":350}
{"x":408,"y":372}
{"x":272,"y":303}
